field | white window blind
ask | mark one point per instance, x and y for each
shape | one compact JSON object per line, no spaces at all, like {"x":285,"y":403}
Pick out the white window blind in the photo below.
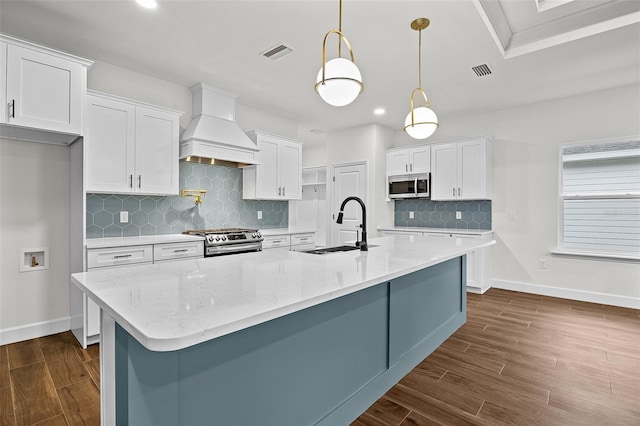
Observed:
{"x":600,"y":198}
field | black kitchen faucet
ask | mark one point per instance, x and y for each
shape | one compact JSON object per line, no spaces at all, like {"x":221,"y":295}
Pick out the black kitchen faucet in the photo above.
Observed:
{"x":362,"y":243}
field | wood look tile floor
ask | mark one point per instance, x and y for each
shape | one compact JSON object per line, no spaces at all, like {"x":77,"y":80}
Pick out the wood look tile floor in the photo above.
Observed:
{"x":49,"y":381}
{"x":520,"y":359}
{"x":524,"y":359}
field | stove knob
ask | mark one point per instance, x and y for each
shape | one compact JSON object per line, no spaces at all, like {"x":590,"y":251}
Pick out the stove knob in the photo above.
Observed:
{"x":254,"y":235}
{"x":223,"y":238}
{"x":259,"y":234}
{"x":217,"y":238}
{"x":210,"y":238}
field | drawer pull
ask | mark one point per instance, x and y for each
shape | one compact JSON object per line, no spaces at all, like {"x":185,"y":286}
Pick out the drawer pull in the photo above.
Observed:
{"x":121,"y":256}
{"x":276,"y":241}
{"x":181,"y":250}
{"x":304,"y":239}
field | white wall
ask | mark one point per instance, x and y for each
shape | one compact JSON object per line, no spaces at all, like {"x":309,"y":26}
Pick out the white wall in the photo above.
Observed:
{"x":365,"y":143}
{"x":34,"y":195}
{"x":525,"y":181}
{"x":34,"y":201}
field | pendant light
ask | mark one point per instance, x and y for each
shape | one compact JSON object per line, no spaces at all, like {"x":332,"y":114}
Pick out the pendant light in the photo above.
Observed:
{"x":421,"y":122}
{"x":339,"y":81}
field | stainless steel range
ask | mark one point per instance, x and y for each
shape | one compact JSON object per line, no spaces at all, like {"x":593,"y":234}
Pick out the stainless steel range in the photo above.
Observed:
{"x":228,"y":240}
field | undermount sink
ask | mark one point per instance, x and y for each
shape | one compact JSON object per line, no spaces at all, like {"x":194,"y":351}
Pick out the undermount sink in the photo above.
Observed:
{"x":337,"y":249}
{"x":327,"y":250}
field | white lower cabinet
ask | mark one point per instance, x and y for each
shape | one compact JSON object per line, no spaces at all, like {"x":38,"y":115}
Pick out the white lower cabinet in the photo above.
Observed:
{"x":290,"y":241}
{"x":478,"y":262}
{"x":87,"y":330}
{"x":177,"y":251}
{"x":282,"y":242}
{"x":301,"y":242}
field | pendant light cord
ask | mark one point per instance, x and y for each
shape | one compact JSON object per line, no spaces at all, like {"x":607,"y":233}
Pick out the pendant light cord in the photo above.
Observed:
{"x":340,"y":30}
{"x":420,"y":59}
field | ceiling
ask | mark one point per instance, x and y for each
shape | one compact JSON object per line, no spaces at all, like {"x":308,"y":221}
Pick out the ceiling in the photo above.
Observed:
{"x":220,"y":43}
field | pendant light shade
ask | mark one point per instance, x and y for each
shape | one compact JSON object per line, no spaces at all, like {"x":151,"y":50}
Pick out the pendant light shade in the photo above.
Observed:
{"x":342,"y":82}
{"x":421,"y":121}
{"x":422,"y":124}
{"x":339,"y":80}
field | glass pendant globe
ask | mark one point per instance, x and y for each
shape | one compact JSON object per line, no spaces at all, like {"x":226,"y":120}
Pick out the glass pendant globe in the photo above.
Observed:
{"x":343,"y":82}
{"x":425,"y":123}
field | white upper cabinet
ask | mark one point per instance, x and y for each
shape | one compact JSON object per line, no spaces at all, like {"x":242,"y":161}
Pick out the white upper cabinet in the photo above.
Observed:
{"x":461,"y":170}
{"x":130,"y":147}
{"x":278,"y":174}
{"x":409,"y":160}
{"x":44,"y":96}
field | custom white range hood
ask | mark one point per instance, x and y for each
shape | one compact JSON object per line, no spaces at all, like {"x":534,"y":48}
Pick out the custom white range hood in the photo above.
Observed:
{"x":213,"y":133}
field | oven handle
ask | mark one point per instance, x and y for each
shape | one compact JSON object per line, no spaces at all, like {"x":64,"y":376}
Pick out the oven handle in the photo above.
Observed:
{"x":233,"y":247}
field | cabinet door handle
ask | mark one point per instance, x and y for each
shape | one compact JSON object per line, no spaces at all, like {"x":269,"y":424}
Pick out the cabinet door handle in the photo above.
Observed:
{"x":284,"y":191}
{"x":139,"y":181}
{"x":406,"y":167}
{"x":130,"y":181}
{"x":12,"y":107}
{"x":458,"y":191}
{"x":410,"y":167}
{"x":454,"y":192}
{"x":279,"y":190}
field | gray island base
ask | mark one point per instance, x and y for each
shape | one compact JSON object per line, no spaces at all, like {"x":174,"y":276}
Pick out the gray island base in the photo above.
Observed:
{"x":323,"y":365}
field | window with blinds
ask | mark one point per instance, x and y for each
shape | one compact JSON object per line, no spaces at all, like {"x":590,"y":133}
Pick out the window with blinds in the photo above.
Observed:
{"x":600,"y":198}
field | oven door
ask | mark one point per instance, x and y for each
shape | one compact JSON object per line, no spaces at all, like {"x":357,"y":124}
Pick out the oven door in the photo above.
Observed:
{"x":232,"y":248}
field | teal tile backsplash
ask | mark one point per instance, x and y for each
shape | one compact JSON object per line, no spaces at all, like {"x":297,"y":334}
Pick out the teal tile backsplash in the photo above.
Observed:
{"x":222,"y":207}
{"x":476,"y":214}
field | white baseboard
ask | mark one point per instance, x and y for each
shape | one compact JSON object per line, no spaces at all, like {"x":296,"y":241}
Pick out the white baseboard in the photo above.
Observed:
{"x":31,"y":331}
{"x":569,"y":293}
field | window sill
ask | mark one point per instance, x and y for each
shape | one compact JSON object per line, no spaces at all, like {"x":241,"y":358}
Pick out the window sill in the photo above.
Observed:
{"x":607,"y":256}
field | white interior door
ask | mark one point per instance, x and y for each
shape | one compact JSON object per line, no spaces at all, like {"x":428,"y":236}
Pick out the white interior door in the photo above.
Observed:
{"x":349,"y":180}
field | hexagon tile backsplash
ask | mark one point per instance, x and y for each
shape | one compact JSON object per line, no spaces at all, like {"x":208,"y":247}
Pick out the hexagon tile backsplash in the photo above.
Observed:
{"x":442,"y":214}
{"x":222,"y":207}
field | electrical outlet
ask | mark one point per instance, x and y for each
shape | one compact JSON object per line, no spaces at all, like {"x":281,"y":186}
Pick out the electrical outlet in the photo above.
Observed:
{"x":259,"y":214}
{"x":124,"y":217}
{"x":542,"y":263}
{"x":458,"y":215}
{"x":411,"y":215}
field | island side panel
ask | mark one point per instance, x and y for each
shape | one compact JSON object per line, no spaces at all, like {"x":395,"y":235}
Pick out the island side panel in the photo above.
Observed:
{"x":288,"y":371}
{"x":451,"y":277}
{"x":323,"y":365}
{"x":421,"y":303}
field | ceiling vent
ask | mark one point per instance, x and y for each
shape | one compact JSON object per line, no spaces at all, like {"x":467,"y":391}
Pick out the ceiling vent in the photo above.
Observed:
{"x":277,"y":52}
{"x":482,"y":70}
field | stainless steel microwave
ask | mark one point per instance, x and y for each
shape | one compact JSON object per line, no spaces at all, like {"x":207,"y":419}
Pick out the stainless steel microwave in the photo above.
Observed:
{"x":410,"y":186}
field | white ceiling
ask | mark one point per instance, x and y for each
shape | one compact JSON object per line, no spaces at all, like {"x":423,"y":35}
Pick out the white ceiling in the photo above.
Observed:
{"x":219,"y":43}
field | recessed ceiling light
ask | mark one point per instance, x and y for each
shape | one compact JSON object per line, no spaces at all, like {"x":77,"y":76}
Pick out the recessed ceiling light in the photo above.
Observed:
{"x":148,"y":4}
{"x":379,"y":111}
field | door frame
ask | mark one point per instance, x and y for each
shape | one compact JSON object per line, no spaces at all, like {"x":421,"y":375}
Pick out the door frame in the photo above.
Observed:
{"x":333,"y":214}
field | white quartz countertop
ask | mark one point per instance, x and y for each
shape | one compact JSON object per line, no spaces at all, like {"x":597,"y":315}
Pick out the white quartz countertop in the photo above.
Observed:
{"x":173,"y":305}
{"x":482,"y":232}
{"x":284,"y":231}
{"x":94,"y":243}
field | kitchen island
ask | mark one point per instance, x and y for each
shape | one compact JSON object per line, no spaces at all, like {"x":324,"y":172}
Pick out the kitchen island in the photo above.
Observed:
{"x":274,"y":337}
